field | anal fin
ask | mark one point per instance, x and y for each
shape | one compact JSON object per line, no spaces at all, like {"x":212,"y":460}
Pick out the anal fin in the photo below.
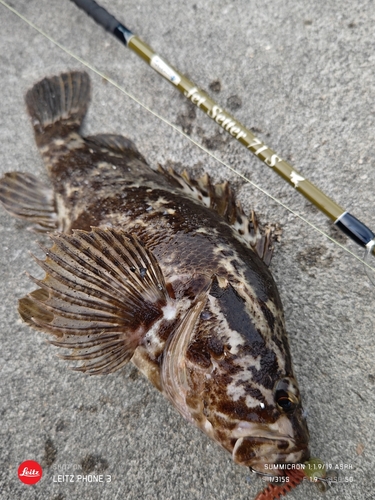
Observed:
{"x":101,"y":294}
{"x":25,"y":196}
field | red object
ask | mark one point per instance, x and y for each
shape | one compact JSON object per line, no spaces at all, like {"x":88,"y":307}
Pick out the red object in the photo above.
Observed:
{"x":30,"y":472}
{"x":275,"y":491}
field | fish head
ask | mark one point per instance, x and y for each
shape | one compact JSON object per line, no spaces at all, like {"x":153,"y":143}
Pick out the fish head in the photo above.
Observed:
{"x":256,"y":397}
{"x":260,"y":395}
{"x":274,"y":434}
{"x":228,"y":370}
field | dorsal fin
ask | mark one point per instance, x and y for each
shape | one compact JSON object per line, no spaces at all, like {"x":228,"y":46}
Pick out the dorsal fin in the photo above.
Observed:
{"x":221,"y":198}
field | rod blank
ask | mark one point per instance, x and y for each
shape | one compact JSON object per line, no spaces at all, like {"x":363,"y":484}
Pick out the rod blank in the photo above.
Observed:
{"x":346,"y":222}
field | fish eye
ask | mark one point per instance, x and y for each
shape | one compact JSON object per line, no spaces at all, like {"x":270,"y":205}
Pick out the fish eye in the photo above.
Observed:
{"x":286,"y":396}
{"x":284,"y":401}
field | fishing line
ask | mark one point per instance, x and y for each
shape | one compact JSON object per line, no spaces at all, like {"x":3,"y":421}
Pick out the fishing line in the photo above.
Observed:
{"x":370,"y":248}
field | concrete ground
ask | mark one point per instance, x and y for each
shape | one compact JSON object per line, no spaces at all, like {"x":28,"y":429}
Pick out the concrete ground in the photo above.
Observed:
{"x":301,"y":74}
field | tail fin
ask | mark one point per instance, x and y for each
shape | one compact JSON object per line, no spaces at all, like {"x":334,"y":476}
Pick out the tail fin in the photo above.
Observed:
{"x":58,"y":105}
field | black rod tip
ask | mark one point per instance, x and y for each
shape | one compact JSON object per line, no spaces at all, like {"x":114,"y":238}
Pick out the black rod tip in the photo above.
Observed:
{"x":103,"y":18}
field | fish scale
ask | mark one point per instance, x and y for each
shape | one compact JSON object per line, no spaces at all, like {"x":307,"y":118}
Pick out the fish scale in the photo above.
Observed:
{"x":162,"y":270}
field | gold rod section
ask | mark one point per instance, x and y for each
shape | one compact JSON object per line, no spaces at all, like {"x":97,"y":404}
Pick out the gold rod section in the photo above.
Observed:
{"x":237,"y":130}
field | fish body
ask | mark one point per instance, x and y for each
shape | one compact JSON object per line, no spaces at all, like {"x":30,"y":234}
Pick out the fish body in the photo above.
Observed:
{"x":161,"y":270}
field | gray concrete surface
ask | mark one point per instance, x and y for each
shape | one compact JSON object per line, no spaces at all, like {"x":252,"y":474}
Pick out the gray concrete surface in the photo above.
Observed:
{"x":302,"y":75}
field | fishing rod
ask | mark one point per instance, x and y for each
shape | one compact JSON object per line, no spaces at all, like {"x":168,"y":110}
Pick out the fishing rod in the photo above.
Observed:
{"x":342,"y":219}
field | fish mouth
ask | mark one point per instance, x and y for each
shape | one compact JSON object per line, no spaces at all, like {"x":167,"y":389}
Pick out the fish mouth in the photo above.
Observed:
{"x":278,"y":464}
{"x":267,"y":433}
{"x":270,"y":453}
{"x":262,"y":446}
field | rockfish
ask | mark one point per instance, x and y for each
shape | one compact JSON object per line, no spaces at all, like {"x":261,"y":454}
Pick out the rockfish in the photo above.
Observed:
{"x":164,"y":271}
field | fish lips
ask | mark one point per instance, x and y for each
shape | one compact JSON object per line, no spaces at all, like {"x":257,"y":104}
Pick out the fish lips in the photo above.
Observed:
{"x":264,"y":454}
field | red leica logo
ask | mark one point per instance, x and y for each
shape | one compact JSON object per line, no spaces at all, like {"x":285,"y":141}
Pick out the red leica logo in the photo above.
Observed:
{"x":30,"y":472}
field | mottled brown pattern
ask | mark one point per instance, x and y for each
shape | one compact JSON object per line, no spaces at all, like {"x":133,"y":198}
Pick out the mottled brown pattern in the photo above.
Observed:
{"x":167,"y":271}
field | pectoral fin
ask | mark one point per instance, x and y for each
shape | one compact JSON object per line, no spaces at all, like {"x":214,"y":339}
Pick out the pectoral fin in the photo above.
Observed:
{"x":174,"y":373}
{"x":102,"y":292}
